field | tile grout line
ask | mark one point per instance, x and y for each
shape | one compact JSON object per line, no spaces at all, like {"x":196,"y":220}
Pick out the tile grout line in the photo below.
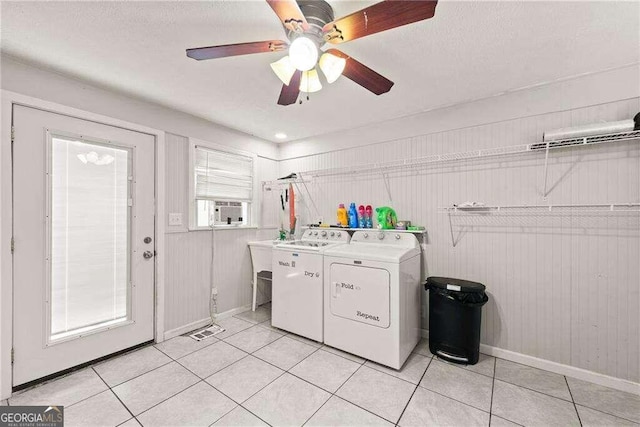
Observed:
{"x":220,"y":391}
{"x":79,"y":401}
{"x":493,"y":385}
{"x":339,"y":355}
{"x":114,"y":393}
{"x":304,"y":380}
{"x":414,"y":392}
{"x":137,"y":376}
{"x":606,"y":413}
{"x":186,"y":354}
{"x":449,"y":397}
{"x":173,"y":395}
{"x":575,"y":408}
{"x":341,"y":398}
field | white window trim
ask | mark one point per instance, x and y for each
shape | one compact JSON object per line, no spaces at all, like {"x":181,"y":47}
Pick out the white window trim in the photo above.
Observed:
{"x":253,"y":209}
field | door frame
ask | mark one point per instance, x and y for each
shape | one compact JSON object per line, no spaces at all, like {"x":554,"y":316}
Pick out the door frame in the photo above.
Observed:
{"x":8,"y":100}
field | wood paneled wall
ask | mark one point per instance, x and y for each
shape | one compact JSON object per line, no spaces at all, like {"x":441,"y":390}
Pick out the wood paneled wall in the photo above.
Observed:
{"x":563,"y":287}
{"x":188,"y":270}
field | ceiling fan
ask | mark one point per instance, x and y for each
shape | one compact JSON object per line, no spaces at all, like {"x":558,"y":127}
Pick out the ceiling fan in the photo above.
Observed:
{"x":309,"y":25}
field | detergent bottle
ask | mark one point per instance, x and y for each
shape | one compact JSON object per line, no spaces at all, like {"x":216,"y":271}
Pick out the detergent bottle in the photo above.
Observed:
{"x":343,"y":218}
{"x":387,"y":218}
{"x":368,"y":217}
{"x":362,"y":222}
{"x":353,"y":216}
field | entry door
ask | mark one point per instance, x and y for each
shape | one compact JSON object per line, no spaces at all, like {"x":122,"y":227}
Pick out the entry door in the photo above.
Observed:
{"x":83,"y":226}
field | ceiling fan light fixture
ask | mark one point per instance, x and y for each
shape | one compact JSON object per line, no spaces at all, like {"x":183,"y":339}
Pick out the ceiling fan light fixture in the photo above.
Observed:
{"x":332,"y":66}
{"x":303,"y":53}
{"x":284,"y":69}
{"x":310,"y":81}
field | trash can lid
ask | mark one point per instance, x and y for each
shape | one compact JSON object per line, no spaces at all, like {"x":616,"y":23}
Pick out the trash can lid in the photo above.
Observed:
{"x":454,"y":284}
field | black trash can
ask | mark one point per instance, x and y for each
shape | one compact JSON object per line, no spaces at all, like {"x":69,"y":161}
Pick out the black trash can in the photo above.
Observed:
{"x":455,"y":313}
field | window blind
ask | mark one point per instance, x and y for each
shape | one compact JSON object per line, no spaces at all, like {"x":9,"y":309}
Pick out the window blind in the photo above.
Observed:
{"x":222,"y":176}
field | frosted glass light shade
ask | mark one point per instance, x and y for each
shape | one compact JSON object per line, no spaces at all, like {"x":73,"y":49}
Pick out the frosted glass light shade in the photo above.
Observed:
{"x":303,"y":53}
{"x":310,"y":81}
{"x":332,"y":66}
{"x":284,"y":69}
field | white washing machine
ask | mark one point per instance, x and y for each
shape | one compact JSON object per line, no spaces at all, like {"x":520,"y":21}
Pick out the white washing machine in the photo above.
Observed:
{"x":297,"y":281}
{"x":372,"y":296}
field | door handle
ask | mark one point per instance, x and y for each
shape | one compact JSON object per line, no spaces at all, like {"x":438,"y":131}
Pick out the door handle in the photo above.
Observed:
{"x":147,"y":254}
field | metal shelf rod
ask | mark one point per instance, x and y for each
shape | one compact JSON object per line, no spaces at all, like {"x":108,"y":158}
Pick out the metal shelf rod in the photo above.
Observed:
{"x":604,"y":207}
{"x":544,"y":146}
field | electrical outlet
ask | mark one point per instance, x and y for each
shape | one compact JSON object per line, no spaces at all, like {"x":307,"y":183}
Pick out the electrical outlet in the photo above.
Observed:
{"x":175,"y":219}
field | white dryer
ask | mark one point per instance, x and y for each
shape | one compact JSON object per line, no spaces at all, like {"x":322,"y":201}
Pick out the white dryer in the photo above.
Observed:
{"x":372,"y":296}
{"x":297,"y":281}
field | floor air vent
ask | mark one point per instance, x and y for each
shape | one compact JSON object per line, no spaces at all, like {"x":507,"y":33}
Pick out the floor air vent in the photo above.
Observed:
{"x":206,"y":333}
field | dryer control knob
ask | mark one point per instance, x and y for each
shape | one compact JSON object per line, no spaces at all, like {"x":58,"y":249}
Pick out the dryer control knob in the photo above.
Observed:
{"x":397,"y":237}
{"x":332,"y":234}
{"x":380,"y":236}
{"x":339,"y":234}
{"x":315,"y":233}
{"x":324,"y":233}
{"x":366,"y":235}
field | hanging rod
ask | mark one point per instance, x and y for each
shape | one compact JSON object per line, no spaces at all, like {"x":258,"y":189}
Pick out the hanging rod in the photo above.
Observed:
{"x":604,"y":208}
{"x":476,"y":154}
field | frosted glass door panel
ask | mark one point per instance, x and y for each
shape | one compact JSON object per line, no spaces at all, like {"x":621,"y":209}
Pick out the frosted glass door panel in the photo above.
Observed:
{"x":89,"y":231}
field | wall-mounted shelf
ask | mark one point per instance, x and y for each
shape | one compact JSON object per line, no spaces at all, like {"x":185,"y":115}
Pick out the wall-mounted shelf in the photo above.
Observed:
{"x":544,"y":146}
{"x":283,"y":182}
{"x":596,"y":210}
{"x":539,"y":209}
{"x":364,"y":229}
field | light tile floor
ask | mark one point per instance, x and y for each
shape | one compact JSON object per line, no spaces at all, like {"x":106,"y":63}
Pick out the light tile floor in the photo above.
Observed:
{"x":254,"y":375}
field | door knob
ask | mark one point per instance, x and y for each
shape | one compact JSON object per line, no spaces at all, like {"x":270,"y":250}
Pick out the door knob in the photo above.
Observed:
{"x":147,"y":254}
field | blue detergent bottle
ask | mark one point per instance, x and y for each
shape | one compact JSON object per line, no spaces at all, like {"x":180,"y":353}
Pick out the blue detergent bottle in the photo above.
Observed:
{"x":353,"y":216}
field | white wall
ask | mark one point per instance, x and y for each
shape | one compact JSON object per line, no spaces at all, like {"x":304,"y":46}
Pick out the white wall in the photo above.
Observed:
{"x":38,"y":83}
{"x":187,"y":254}
{"x":560,"y":264}
{"x":563,"y":95}
{"x":188,"y":267}
{"x":563,"y":288}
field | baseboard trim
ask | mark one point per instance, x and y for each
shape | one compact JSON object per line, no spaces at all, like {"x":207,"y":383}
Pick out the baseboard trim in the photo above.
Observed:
{"x":558,"y":368}
{"x":203,"y":322}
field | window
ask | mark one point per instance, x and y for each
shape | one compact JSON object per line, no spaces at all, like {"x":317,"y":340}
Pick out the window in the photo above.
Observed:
{"x":223,"y":188}
{"x":89,"y":193}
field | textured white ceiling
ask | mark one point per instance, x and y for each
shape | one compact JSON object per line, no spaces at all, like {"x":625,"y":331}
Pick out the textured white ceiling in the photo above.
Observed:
{"x":468,"y":50}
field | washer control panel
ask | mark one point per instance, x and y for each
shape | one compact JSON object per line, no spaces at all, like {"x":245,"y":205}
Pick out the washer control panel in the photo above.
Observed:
{"x":329,"y":235}
{"x":385,"y":237}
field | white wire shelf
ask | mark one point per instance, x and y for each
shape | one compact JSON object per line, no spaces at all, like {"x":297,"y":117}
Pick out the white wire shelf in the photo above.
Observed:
{"x":538,"y":209}
{"x":283,"y":182}
{"x":305,"y":227}
{"x":475,"y":154}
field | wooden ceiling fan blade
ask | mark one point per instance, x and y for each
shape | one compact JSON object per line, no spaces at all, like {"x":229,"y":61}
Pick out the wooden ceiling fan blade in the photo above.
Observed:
{"x":290,"y":14}
{"x":381,"y":16}
{"x":289,"y":93}
{"x":222,"y":51}
{"x":363,"y":75}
